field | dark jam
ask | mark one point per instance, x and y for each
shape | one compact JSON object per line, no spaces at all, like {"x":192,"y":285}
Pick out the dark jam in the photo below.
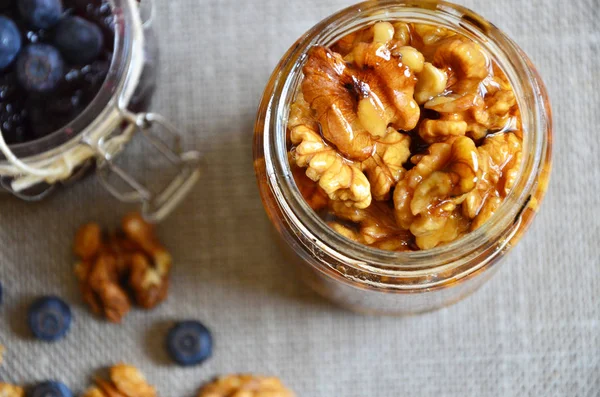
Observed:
{"x":70,"y":44}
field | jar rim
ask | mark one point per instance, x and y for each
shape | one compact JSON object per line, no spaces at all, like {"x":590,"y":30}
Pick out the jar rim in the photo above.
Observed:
{"x":502,"y":226}
{"x":117,"y":87}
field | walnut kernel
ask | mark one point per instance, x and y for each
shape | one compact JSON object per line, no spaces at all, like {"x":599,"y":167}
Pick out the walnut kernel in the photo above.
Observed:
{"x":88,"y":241}
{"x":136,"y":261}
{"x":7,"y":390}
{"x":125,"y":381}
{"x":340,"y":179}
{"x":245,"y":386}
{"x":130,"y":381}
{"x":382,"y":92}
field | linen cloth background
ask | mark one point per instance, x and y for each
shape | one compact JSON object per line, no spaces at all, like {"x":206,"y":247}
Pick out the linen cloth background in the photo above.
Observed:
{"x":534,"y":330}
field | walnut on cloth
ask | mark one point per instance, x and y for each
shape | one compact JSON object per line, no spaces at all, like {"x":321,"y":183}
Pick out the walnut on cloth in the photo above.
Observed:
{"x":245,"y":386}
{"x":117,"y":266}
{"x":8,"y":390}
{"x":125,"y":381}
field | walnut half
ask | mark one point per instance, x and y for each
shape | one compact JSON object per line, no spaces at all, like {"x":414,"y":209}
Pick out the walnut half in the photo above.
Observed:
{"x":374,"y":226}
{"x":125,"y":381}
{"x":130,"y":260}
{"x":339,"y":178}
{"x":426,"y":200}
{"x":245,"y":386}
{"x":8,"y":390}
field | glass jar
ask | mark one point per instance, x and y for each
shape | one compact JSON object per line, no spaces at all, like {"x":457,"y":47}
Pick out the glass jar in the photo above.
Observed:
{"x":382,"y":282}
{"x":99,"y":134}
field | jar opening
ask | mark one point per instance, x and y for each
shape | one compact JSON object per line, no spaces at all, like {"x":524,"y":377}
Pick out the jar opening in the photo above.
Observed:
{"x":497,"y":232}
{"x":123,"y":14}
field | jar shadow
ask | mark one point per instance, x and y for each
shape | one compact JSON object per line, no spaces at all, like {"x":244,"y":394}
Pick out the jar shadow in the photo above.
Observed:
{"x":154,"y":341}
{"x":17,"y":317}
{"x":221,"y":235}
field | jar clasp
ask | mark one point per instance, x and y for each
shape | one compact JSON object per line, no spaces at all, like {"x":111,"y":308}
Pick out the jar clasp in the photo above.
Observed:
{"x":19,"y":176}
{"x":155,"y":205}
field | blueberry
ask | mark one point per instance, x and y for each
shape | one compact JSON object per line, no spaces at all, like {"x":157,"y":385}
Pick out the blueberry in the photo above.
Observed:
{"x":37,"y":36}
{"x":10,"y":41}
{"x":40,"y":68}
{"x":49,"y":389}
{"x":42,"y":14}
{"x":13,"y":118}
{"x":80,"y":41}
{"x":49,"y":318}
{"x":189,"y":343}
{"x":95,"y":73}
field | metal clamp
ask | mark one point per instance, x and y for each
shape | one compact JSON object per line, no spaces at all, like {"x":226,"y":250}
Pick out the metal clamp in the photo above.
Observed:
{"x":37,"y":193}
{"x":155,"y":206}
{"x":147,"y":10}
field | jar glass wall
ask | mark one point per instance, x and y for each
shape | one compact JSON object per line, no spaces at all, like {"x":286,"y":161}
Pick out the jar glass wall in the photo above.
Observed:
{"x":122,"y":75}
{"x":372,"y":280}
{"x":102,"y":130}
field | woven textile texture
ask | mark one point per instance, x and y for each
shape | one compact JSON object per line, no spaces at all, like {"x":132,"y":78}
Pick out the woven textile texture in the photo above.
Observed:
{"x":534,"y":330}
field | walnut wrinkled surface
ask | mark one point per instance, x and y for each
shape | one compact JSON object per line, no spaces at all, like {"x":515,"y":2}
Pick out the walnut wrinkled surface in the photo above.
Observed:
{"x":125,"y":381}
{"x":474,"y":106}
{"x":314,"y":195}
{"x":324,"y":88}
{"x":385,"y":167}
{"x":130,"y":260}
{"x":427,"y":198}
{"x":408,"y":135}
{"x":95,"y":392}
{"x":374,"y":226}
{"x":388,"y":84}
{"x":428,"y":35}
{"x":339,"y":178}
{"x":130,"y":381}
{"x":500,"y":159}
{"x":245,"y":386}
{"x":8,"y":390}
{"x":463,"y":61}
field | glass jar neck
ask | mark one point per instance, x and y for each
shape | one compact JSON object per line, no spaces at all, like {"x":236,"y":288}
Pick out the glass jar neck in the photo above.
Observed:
{"x":116,"y":91}
{"x":459,"y":257}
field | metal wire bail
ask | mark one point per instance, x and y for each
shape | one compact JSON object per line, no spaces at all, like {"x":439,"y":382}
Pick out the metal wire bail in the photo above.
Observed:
{"x":155,"y":205}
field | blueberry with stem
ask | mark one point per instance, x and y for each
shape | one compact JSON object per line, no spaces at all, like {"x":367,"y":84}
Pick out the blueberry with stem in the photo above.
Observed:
{"x":80,"y":41}
{"x":49,"y":318}
{"x":42,"y":14}
{"x":189,"y":343}
{"x":49,"y":389}
{"x":40,"y":68}
{"x":10,"y":41}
